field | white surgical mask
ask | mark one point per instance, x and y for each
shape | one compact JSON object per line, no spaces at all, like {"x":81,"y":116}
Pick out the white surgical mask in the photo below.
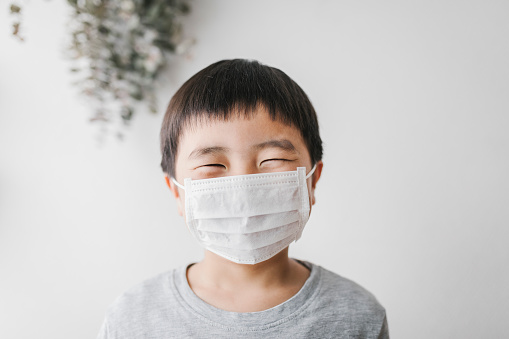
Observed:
{"x":248,"y":218}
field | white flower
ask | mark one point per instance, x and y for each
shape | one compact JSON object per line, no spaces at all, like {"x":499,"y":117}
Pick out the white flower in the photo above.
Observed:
{"x":153,"y":59}
{"x":127,"y":6}
{"x":133,"y":21}
{"x":149,"y":35}
{"x":81,"y":37}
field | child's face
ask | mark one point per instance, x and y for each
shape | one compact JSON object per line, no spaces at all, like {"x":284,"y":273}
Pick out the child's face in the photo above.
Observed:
{"x":239,"y":146}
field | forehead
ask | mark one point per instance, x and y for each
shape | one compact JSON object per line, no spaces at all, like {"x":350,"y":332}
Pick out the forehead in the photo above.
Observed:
{"x":238,"y":133}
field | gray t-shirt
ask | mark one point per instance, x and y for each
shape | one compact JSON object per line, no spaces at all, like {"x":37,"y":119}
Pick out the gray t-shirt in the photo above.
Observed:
{"x":327,"y":306}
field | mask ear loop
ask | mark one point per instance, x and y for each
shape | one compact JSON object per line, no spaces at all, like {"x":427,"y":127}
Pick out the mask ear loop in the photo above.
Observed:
{"x":310,"y":172}
{"x":178,"y":185}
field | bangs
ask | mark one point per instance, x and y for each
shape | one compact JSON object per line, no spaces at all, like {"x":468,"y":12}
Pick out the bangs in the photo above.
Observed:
{"x":237,"y":89}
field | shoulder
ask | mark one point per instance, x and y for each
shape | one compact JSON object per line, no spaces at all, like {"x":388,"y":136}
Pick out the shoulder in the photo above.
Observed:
{"x":142,"y":304}
{"x":347,"y":290}
{"x":345,"y":300}
{"x":144,"y":293}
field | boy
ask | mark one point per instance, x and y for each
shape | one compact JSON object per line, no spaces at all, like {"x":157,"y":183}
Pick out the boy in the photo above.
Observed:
{"x":242,"y":156}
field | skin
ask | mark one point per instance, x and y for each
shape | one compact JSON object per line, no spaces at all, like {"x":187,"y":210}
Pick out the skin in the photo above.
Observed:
{"x":209,"y":149}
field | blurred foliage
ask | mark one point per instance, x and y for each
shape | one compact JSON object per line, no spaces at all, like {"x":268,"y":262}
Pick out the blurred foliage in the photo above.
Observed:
{"x":16,"y":24}
{"x":118,"y":48}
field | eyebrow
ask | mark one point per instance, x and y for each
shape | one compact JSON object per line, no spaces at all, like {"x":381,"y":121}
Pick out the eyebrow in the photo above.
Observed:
{"x":283,"y":144}
{"x":207,"y":150}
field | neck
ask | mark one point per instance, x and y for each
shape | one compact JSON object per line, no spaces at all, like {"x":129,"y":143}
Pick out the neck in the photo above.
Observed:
{"x":246,"y":288}
{"x":221,"y":272}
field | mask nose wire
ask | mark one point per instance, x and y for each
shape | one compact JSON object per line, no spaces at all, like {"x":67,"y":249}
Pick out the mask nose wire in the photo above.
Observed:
{"x":183,"y":187}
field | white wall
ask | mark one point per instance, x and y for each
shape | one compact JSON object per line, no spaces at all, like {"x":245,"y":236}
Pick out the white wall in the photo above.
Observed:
{"x":413,"y":102}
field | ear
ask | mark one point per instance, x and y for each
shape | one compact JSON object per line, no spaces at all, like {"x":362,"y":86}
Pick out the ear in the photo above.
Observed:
{"x":314,"y":179}
{"x":176,"y":194}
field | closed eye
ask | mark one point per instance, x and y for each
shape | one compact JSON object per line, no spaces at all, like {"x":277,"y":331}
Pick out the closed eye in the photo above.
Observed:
{"x":275,"y":159}
{"x":213,"y":165}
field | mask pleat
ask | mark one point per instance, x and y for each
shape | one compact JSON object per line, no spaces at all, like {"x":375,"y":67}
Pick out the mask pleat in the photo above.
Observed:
{"x":247,"y":224}
{"x":249,"y":241}
{"x":245,"y":202}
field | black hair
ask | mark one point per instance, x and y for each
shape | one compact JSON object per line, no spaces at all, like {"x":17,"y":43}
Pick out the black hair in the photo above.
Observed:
{"x":237,"y":87}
